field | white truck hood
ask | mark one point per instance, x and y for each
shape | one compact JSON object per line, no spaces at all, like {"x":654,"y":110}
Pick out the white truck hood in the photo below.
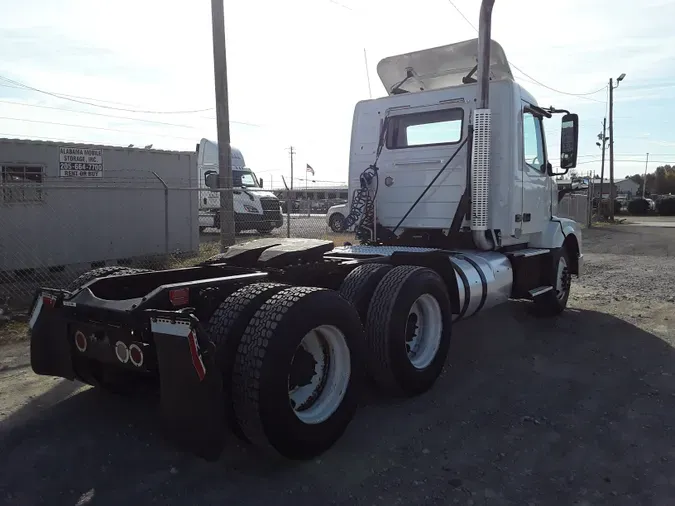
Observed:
{"x":439,"y":67}
{"x":258,"y":193}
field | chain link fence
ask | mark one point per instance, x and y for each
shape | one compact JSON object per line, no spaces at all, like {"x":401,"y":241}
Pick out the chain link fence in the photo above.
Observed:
{"x":51,"y":233}
{"x":578,"y":205}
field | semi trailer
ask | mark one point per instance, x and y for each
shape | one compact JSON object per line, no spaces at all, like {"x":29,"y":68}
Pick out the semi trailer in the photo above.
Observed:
{"x":453,"y":204}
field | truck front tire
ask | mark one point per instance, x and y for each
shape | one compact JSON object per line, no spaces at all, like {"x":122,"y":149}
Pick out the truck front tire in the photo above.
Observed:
{"x":296,"y":373}
{"x":408,"y":330}
{"x":554,"y":302}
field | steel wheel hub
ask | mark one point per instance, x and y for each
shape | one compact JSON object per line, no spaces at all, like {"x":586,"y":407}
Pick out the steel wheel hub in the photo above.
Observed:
{"x":424,"y":330}
{"x":563,"y":279}
{"x":319,"y":374}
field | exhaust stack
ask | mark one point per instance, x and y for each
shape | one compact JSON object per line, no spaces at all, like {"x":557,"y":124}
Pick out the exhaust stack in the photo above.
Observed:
{"x":480,"y":153}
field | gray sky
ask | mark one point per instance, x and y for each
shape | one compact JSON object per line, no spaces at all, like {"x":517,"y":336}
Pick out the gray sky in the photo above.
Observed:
{"x":296,"y":70}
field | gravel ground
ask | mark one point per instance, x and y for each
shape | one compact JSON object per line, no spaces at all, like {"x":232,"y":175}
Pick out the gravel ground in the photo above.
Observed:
{"x":575,"y":410}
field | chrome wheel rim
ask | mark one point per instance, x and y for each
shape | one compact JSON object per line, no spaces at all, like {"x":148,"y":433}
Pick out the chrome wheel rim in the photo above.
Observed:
{"x":424,"y":331}
{"x":319,"y":374}
{"x":563,"y":279}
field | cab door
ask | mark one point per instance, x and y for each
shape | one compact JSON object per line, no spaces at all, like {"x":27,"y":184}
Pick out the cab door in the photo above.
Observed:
{"x":536,"y":182}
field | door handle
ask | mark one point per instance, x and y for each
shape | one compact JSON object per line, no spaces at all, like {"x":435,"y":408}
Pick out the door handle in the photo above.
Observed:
{"x":418,"y":162}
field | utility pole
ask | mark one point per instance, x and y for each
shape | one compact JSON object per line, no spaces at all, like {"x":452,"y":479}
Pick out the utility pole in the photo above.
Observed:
{"x":292,"y":153}
{"x":644,"y":180}
{"x":611,"y":149}
{"x":612,"y":189}
{"x":223,"y":125}
{"x":602,"y":165}
{"x":289,"y":200}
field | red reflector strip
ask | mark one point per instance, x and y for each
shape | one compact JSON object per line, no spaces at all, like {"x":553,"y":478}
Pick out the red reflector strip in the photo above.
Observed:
{"x":197,"y":361}
{"x":179,"y":296}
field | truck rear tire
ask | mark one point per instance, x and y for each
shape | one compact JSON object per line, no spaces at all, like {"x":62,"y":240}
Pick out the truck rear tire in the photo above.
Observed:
{"x":554,"y":302}
{"x":408,"y":330}
{"x":225,"y":328}
{"x":359,"y":285}
{"x":296,"y":373}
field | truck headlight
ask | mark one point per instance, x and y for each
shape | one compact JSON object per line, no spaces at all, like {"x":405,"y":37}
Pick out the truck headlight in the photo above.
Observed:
{"x":250,"y":209}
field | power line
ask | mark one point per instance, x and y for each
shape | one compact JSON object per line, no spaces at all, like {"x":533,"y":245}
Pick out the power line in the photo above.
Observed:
{"x":64,"y":97}
{"x":22,"y":137}
{"x":142,"y":120}
{"x":89,"y":127}
{"x":535,"y":81}
{"x":71,"y":96}
{"x":341,"y":5}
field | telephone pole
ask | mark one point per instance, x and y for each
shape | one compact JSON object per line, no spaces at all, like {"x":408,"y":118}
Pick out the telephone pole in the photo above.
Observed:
{"x":644,"y":180}
{"x":612,"y":189}
{"x":223,"y":125}
{"x":289,"y":200}
{"x":603,"y":140}
{"x":611,"y":149}
{"x":291,"y":150}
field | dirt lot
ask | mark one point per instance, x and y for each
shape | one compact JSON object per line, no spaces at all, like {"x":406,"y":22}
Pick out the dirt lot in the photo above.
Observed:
{"x":577,"y":410}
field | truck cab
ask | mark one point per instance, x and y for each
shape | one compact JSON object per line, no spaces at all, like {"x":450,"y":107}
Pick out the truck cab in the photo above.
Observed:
{"x":254,"y":208}
{"x":423,"y":136}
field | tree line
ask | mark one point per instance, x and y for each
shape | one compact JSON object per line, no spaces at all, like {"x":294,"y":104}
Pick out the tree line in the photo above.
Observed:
{"x":659,"y":182}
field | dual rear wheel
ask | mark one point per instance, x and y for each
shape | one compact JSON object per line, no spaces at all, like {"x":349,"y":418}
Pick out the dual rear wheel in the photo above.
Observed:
{"x":293,"y":358}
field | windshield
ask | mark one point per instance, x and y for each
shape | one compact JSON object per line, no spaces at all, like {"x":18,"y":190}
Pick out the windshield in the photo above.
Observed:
{"x":244,"y":178}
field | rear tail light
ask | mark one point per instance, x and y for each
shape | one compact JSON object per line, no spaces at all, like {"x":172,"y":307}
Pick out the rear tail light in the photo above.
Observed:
{"x":136,"y":355}
{"x":179,"y":296}
{"x":122,"y":352}
{"x":48,"y":300}
{"x":80,"y":341}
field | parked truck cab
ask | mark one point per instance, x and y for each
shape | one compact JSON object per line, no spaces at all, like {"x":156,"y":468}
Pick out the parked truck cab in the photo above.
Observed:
{"x":254,"y":208}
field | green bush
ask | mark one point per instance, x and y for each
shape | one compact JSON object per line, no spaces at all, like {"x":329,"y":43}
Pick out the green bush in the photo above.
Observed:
{"x":666,"y":206}
{"x":638,"y":207}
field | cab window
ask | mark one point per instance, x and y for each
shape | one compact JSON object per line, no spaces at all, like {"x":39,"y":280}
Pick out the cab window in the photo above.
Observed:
{"x":533,"y":142}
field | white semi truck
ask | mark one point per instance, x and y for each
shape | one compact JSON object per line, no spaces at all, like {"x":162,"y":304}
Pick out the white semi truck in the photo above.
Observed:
{"x":454,"y":203}
{"x":254,"y":208}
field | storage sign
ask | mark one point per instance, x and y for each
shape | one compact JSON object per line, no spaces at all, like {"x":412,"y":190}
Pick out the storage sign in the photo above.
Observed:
{"x":80,"y":162}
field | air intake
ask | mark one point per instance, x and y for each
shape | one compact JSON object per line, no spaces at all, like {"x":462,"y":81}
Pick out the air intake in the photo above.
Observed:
{"x":480,"y":169}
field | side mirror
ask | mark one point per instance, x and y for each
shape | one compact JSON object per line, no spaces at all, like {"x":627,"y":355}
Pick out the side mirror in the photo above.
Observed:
{"x":569,"y":141}
{"x":211,"y":180}
{"x":261,"y":183}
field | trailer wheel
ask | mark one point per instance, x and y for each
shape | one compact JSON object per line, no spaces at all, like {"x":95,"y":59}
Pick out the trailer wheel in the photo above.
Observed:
{"x":554,"y":302}
{"x":359,"y":285}
{"x":408,"y":330}
{"x":226,"y":326}
{"x":113,"y":270}
{"x":296,"y":373}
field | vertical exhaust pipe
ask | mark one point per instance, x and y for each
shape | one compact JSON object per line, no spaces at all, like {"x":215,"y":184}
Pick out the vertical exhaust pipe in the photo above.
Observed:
{"x":480,"y":156}
{"x":484,"y":37}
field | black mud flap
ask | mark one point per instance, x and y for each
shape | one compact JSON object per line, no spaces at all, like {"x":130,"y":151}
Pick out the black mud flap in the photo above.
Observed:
{"x":50,"y":350}
{"x":191,"y":384}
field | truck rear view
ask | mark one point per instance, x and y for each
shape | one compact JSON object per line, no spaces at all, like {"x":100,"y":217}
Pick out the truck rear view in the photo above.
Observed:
{"x":453,"y":203}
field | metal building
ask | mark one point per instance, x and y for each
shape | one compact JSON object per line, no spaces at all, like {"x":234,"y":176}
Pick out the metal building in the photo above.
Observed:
{"x":63,"y":204}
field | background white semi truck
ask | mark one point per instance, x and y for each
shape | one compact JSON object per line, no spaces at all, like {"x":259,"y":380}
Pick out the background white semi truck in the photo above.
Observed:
{"x":254,"y":208}
{"x":454,"y":203}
